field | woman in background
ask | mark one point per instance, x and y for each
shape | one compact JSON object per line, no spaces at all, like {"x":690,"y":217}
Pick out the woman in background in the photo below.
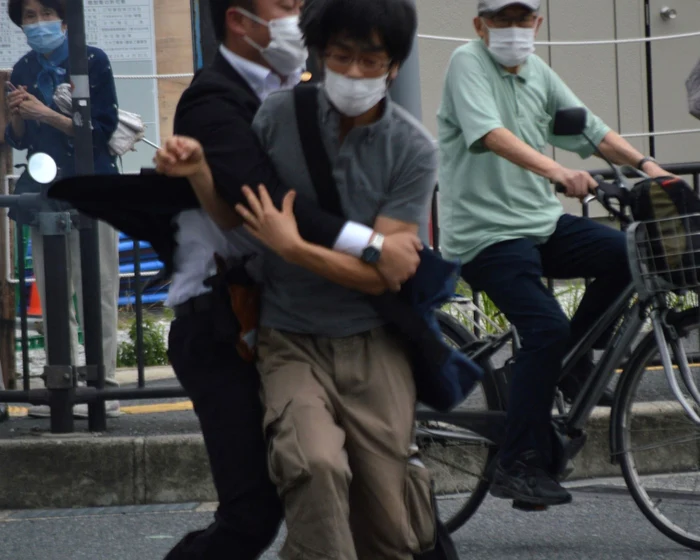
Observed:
{"x":36,"y":125}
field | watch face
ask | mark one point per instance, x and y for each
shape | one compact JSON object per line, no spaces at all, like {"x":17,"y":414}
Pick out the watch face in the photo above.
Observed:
{"x":370,"y":255}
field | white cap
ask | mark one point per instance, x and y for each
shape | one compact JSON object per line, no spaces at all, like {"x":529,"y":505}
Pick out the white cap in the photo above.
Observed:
{"x":486,"y":6}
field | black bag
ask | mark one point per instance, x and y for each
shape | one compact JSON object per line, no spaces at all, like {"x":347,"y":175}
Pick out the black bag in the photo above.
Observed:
{"x":672,"y":212}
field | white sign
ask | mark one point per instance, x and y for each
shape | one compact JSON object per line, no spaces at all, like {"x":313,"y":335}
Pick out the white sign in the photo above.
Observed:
{"x":122,"y":28}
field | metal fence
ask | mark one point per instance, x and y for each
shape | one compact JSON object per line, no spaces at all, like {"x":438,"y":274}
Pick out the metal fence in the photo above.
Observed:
{"x":62,"y":390}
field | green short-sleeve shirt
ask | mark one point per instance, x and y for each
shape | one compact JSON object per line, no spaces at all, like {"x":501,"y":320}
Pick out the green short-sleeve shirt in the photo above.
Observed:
{"x":484,"y":198}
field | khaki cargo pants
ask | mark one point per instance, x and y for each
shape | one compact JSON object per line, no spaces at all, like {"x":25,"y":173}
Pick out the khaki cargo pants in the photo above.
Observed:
{"x":339,"y":416}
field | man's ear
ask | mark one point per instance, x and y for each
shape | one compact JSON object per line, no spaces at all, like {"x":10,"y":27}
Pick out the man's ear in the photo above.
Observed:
{"x":393,"y":72}
{"x":480,"y":28}
{"x":235,"y":22}
{"x":540,"y":20}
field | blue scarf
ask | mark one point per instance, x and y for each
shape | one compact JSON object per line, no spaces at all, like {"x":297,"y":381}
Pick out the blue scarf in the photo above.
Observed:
{"x":51,"y":74}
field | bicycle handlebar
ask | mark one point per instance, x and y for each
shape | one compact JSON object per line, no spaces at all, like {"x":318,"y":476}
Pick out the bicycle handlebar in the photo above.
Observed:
{"x":606,"y":193}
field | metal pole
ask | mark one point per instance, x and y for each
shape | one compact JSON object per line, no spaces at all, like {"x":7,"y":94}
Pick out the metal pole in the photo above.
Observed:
{"x":406,"y":88}
{"x":21,"y":254}
{"x":406,"y":92}
{"x":59,"y":373}
{"x":136,"y":244}
{"x":89,"y":236}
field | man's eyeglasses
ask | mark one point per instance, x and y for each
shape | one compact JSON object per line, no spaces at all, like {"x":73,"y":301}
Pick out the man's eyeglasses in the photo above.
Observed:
{"x":367,"y":63}
{"x":500,"y":21}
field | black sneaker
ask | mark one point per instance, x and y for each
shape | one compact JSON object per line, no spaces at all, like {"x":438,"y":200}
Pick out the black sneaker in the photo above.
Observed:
{"x":526,"y":482}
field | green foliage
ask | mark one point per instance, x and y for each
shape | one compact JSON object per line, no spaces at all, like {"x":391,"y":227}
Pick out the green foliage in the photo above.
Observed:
{"x":683,"y":302}
{"x":570,"y":295}
{"x":154,"y":346}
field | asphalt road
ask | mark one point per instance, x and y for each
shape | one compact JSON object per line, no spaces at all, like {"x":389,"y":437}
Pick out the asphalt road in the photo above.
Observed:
{"x":600,"y":524}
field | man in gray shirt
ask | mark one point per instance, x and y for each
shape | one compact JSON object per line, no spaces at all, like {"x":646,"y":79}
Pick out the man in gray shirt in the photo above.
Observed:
{"x":338,"y":387}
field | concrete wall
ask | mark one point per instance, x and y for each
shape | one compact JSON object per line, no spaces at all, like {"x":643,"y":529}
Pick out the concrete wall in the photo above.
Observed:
{"x":610,"y":79}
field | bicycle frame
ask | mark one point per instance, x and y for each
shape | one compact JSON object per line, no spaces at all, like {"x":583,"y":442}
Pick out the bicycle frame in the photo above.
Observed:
{"x":613,"y":354}
{"x":491,"y":424}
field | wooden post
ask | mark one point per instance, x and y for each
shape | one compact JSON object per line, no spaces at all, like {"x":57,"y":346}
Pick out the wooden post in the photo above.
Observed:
{"x":173,"y":29}
{"x":7,"y":290}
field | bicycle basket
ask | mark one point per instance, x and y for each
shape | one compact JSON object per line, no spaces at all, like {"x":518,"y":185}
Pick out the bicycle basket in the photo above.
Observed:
{"x":665,"y":254}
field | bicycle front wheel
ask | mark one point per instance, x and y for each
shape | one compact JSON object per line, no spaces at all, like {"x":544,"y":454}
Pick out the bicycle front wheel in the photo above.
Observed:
{"x":656,"y":438}
{"x":458,"y":457}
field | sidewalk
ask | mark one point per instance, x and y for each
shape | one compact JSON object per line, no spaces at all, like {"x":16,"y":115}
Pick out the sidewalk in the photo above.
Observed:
{"x":154,"y":453}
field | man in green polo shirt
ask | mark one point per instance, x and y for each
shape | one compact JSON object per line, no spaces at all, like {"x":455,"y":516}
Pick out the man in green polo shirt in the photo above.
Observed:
{"x":502,"y":220}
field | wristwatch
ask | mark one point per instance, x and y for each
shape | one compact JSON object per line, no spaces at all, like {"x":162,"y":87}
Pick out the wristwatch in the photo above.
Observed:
{"x":645,"y":160}
{"x":373,"y":251}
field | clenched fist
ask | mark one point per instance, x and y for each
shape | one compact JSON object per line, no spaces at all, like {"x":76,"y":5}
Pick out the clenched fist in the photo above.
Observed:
{"x":181,"y":156}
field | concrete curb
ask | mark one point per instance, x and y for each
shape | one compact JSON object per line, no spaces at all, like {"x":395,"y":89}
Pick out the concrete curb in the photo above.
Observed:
{"x":65,"y":472}
{"x":124,"y":376}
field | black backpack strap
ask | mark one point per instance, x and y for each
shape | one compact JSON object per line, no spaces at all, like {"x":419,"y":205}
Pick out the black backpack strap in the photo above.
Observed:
{"x":317,"y":161}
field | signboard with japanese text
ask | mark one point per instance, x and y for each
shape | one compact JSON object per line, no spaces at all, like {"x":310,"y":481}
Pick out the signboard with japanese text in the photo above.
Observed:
{"x":122,"y":28}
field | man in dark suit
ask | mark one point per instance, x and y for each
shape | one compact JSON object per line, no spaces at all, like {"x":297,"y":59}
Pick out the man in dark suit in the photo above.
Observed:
{"x":218,"y":109}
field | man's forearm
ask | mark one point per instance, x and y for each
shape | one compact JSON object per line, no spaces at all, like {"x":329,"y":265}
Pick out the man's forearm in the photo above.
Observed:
{"x":504,"y":143}
{"x":314,"y":225}
{"x":621,"y":152}
{"x":218,"y":209}
{"x":618,"y":150}
{"x":339,"y":268}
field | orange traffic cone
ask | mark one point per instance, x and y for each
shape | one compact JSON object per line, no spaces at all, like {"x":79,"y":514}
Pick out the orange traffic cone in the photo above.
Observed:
{"x":34,"y":309}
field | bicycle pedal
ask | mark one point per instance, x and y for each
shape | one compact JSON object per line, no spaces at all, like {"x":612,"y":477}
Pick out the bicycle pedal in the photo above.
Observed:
{"x":527,"y":506}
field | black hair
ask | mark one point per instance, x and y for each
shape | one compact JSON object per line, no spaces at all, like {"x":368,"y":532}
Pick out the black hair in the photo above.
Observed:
{"x":395,"y":21}
{"x":218,"y":9}
{"x":14,"y":9}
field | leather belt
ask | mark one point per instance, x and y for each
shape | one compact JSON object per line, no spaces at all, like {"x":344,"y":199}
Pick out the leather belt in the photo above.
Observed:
{"x":197,"y":304}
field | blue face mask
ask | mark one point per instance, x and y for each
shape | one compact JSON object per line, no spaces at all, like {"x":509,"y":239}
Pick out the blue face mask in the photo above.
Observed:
{"x":46,"y":36}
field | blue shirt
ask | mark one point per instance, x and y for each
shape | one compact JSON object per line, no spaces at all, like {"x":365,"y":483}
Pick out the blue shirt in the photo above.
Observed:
{"x":104,"y":114}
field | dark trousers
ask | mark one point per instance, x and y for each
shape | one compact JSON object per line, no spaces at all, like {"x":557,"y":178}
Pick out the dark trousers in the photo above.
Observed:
{"x":225,"y":394}
{"x":511,"y":273}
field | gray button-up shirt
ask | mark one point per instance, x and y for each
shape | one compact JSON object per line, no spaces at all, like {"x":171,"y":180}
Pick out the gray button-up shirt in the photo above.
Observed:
{"x":387,"y":168}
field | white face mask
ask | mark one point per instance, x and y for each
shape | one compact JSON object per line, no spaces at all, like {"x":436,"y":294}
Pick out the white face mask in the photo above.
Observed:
{"x":353,"y":97}
{"x":511,"y":46}
{"x":286,"y":53}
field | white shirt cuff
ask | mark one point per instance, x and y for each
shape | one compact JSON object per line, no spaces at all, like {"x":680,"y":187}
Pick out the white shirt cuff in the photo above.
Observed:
{"x":353,"y":239}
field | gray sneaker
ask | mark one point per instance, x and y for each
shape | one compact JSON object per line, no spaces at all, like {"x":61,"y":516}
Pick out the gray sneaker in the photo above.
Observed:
{"x":111,"y":408}
{"x":79,"y":410}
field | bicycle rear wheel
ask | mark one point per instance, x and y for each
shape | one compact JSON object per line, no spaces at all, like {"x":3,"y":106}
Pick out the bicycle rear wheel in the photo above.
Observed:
{"x":657,"y":440}
{"x":457,"y":457}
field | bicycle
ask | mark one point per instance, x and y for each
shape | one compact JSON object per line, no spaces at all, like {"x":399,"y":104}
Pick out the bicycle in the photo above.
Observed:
{"x":650,"y":296}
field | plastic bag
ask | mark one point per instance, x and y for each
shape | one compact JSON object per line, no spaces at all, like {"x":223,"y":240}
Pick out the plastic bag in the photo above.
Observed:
{"x":130,"y":129}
